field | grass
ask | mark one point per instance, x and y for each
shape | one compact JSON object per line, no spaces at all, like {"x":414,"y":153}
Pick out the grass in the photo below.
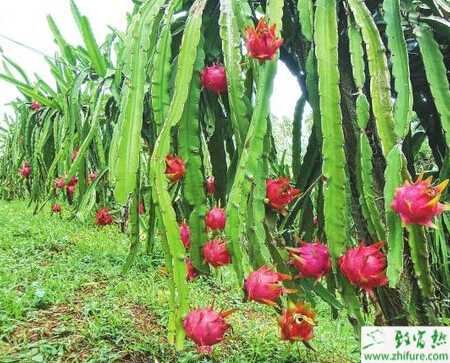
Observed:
{"x":63,"y":298}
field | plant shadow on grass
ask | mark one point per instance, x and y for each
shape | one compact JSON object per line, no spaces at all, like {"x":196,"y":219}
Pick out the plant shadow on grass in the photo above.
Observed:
{"x":63,"y":298}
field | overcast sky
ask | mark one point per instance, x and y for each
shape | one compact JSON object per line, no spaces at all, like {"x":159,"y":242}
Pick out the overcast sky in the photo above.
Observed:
{"x":25,"y":21}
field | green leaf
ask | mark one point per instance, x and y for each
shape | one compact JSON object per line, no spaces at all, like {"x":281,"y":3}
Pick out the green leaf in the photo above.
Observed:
{"x":191,"y":152}
{"x":334,"y":163}
{"x":95,"y":56}
{"x":400,"y":66}
{"x":165,"y":211}
{"x":418,"y":246}
{"x":306,"y":18}
{"x":251,"y":153}
{"x":368,"y":187}
{"x":379,"y":74}
{"x":126,"y":144}
{"x":394,"y":230}
{"x":161,"y":69}
{"x":436,"y":75}
{"x":231,"y":42}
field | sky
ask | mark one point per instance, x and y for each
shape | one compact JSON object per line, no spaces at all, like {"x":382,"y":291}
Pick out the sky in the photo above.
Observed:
{"x":25,"y":21}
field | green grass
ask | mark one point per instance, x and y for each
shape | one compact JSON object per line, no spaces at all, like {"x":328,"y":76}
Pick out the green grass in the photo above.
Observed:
{"x":63,"y":298}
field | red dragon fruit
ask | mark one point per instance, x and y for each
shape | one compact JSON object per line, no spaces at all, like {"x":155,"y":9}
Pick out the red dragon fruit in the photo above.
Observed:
{"x":35,"y":106}
{"x":365,"y":266}
{"x":25,"y":170}
{"x":205,"y":327}
{"x":210,"y":185}
{"x":215,"y":253}
{"x":265,"y":285}
{"x":56,"y":208}
{"x":297,"y":322}
{"x":215,"y":219}
{"x":185,"y":235}
{"x":418,"y":203}
{"x":262,"y":42}
{"x":70,"y":187}
{"x":73,"y":181}
{"x":214,"y":78}
{"x":59,"y":183}
{"x":141,"y":208}
{"x":280,"y":193}
{"x":103,"y":217}
{"x":175,"y":168}
{"x":311,"y":259}
{"x":191,"y":272}
{"x":92,"y":177}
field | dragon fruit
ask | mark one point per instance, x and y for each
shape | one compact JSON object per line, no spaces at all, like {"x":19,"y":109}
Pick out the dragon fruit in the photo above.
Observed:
{"x":279,"y":193}
{"x":56,"y":208}
{"x":262,"y":42}
{"x":215,"y":253}
{"x":92,"y":177}
{"x":265,"y":285}
{"x":25,"y":170}
{"x":70,"y":187}
{"x":297,"y":322}
{"x":365,"y":266}
{"x":214,"y":78}
{"x":59,"y":183}
{"x":141,"y":208}
{"x":206,"y":327}
{"x":73,"y":181}
{"x":311,"y":259}
{"x":418,"y":203}
{"x":185,"y":235}
{"x":210,"y":185}
{"x":35,"y":106}
{"x":191,"y":272}
{"x":175,"y":168}
{"x":215,"y":219}
{"x":103,"y":217}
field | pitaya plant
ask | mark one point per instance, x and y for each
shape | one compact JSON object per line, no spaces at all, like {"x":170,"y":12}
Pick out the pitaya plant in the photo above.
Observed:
{"x":135,"y":111}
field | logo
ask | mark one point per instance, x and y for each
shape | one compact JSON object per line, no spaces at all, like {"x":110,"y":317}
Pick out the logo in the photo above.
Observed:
{"x":405,"y":344}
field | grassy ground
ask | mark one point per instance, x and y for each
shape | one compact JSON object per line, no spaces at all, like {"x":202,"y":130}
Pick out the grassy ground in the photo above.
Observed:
{"x":63,"y":299}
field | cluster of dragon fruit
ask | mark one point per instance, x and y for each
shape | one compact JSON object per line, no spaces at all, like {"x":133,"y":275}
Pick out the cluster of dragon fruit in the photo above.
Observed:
{"x":363,"y":266}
